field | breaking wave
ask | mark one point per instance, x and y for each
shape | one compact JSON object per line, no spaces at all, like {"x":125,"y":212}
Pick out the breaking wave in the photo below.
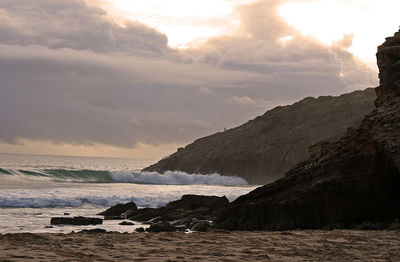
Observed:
{"x":176,"y":178}
{"x":98,"y":176}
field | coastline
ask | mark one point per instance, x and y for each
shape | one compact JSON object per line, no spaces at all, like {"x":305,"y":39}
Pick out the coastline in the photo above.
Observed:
{"x":297,"y":245}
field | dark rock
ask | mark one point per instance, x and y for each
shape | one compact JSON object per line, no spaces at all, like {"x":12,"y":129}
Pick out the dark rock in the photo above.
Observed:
{"x":154,"y":220}
{"x":317,"y":148}
{"x":81,"y":221}
{"x":188,"y":207}
{"x":67,"y":214}
{"x":185,"y":222}
{"x":388,"y":58}
{"x":181,"y":228}
{"x":126,"y":223}
{"x":127,"y":214}
{"x":193,"y":202}
{"x":265,"y":148}
{"x":162,"y":226}
{"x":48,"y":227}
{"x":369,"y":226}
{"x":395,"y":225}
{"x":350,"y":182}
{"x":201,"y":226}
{"x":146,"y":214}
{"x":93,"y":231}
{"x":119,"y":211}
{"x":140,"y":229}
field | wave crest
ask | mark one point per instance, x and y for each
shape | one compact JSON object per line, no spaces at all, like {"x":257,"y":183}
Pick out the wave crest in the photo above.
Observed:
{"x":99,"y":176}
{"x":176,"y":178}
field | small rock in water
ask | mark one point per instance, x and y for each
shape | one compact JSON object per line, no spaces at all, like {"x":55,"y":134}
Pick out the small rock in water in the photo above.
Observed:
{"x":48,"y":227}
{"x":140,"y":229}
{"x":126,"y":223}
{"x":78,"y":221}
{"x":67,"y":214}
{"x":93,"y":231}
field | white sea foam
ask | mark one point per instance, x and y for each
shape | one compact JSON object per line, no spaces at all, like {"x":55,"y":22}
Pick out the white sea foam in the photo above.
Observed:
{"x":176,"y":178}
{"x":75,"y":195}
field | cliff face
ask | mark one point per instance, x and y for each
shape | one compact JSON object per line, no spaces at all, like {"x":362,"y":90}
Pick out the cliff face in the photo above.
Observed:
{"x":264,"y":148}
{"x":353,"y":180}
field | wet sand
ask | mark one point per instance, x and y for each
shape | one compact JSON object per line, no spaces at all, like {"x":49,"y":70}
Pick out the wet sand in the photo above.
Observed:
{"x":312,"y":245}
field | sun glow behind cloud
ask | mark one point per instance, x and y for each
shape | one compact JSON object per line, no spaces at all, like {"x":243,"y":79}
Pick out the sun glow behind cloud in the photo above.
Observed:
{"x":184,"y":22}
{"x":367,"y":21}
{"x":187,"y":23}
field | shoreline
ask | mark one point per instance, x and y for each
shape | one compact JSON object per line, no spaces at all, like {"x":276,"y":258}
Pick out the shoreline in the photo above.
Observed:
{"x":217,"y":245}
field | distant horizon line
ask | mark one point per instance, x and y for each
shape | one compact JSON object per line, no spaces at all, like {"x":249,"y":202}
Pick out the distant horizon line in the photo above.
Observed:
{"x":30,"y":154}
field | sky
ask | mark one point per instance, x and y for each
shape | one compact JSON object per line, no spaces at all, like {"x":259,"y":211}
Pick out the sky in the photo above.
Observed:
{"x":131,"y":78}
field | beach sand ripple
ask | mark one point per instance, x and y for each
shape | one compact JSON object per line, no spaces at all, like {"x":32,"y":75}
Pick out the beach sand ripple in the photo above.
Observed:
{"x":307,"y":245}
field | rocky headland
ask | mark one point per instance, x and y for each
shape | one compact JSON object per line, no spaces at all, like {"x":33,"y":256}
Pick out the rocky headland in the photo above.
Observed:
{"x":263,"y":149}
{"x":350,"y":182}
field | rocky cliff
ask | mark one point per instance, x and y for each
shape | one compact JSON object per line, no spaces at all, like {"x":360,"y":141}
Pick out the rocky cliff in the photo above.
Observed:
{"x":264,"y":148}
{"x":353,"y":180}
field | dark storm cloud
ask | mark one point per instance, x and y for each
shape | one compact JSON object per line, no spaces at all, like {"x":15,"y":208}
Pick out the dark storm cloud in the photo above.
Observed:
{"x":70,"y":74}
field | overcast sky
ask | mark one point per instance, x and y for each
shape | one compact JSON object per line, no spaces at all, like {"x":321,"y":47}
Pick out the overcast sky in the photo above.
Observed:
{"x":102,"y":78}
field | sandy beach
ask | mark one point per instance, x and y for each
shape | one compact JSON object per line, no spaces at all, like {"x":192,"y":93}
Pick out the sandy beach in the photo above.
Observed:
{"x":336,"y":245}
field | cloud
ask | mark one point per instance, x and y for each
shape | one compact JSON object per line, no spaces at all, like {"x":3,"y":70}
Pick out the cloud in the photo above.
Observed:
{"x":74,"y":24}
{"x":69,"y":73}
{"x":72,"y":96}
{"x":295,"y":68}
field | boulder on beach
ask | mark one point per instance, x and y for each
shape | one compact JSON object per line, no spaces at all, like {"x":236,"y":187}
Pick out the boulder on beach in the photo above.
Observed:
{"x":93,"y":231}
{"x":180,"y":214}
{"x":201,"y":226}
{"x":78,"y":221}
{"x":189,"y":206}
{"x":120,"y":211}
{"x":193,"y":202}
{"x":162,"y":226}
{"x":140,"y":230}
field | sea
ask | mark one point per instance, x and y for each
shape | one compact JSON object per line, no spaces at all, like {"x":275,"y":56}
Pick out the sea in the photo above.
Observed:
{"x":34,"y":188}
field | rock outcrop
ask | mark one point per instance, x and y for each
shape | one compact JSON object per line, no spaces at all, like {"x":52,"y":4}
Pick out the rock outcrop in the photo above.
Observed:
{"x":197,"y":202}
{"x":353,"y":181}
{"x":190,"y":212}
{"x":263,"y":149}
{"x":120,"y":211}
